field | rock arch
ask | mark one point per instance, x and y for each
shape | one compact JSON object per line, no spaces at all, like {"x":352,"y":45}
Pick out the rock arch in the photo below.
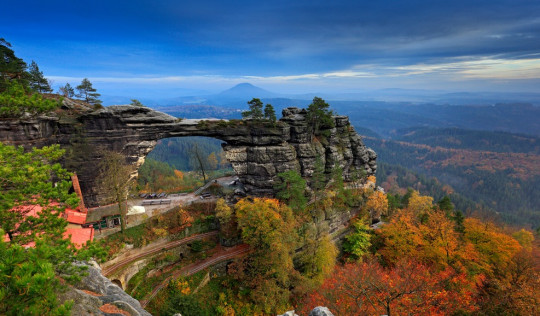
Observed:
{"x":258,"y":151}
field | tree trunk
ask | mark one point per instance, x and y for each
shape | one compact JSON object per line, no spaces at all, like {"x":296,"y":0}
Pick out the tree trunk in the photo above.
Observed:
{"x":123,"y":213}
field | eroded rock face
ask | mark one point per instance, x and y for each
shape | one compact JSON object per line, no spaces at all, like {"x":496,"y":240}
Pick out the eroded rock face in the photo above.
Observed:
{"x":321,"y":311}
{"x":258,"y":151}
{"x":95,"y":291}
{"x":317,"y":311}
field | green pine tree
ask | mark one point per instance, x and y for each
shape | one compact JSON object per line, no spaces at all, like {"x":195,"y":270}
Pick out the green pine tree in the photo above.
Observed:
{"x":37,"y":81}
{"x":11,"y":66}
{"x":88,"y":93}
{"x":270,"y":113}
{"x":29,"y":277}
{"x":291,"y":189}
{"x":255,"y":110}
{"x":29,"y":283}
{"x":136,"y":102}
{"x":67,"y":91}
{"x":318,"y":180}
{"x":319,"y":117}
{"x":446,"y":205}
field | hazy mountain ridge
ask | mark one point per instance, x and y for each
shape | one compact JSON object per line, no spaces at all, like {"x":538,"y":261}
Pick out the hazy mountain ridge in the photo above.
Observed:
{"x":487,"y":112}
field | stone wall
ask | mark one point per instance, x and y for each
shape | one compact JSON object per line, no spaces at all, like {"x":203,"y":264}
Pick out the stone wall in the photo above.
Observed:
{"x":258,"y":151}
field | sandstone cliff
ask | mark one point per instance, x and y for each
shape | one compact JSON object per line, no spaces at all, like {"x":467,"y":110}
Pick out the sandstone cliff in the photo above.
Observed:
{"x":258,"y":151}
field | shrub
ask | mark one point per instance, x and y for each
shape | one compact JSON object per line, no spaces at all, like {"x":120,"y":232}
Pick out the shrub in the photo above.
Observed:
{"x":15,"y":101}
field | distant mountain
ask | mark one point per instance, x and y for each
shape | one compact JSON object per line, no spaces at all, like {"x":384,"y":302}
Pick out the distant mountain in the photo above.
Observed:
{"x":246,"y":91}
{"x":235,"y":97}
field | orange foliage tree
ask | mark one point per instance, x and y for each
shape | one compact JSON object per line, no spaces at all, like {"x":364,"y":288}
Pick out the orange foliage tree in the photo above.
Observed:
{"x":505,"y":268}
{"x":408,"y":288}
{"x":495,"y":248}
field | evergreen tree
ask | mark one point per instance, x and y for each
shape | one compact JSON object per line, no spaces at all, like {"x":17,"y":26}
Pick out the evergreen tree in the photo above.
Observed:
{"x":24,"y":175}
{"x":270,"y":113}
{"x":318,"y":180}
{"x":67,"y":91}
{"x":37,"y":81}
{"x":291,"y":189}
{"x":11,"y":67}
{"x":136,"y":102}
{"x":29,"y":277}
{"x":255,"y":109}
{"x":29,"y":284}
{"x":446,"y":205}
{"x":319,"y":117}
{"x":88,"y":93}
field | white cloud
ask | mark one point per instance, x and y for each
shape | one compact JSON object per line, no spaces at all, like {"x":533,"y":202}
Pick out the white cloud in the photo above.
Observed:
{"x":432,"y":75}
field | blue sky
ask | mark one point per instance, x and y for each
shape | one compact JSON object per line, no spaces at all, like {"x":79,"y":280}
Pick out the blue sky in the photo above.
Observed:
{"x":173,"y":48}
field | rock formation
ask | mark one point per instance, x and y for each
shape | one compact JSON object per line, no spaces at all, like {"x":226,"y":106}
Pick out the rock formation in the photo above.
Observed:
{"x":258,"y":151}
{"x":97,"y":295}
{"x":317,"y":311}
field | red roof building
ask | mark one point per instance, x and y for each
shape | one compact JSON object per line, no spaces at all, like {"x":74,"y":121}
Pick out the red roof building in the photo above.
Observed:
{"x":79,"y":234}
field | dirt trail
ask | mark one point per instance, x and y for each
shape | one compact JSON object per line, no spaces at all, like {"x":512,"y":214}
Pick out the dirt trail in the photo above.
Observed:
{"x":219,"y":256}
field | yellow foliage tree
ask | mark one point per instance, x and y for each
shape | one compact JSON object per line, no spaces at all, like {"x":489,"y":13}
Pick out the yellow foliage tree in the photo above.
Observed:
{"x":401,"y":237}
{"x":420,"y":204}
{"x":525,"y":238}
{"x":441,"y":241}
{"x":268,"y":226}
{"x":377,"y":204}
{"x":212,"y":161}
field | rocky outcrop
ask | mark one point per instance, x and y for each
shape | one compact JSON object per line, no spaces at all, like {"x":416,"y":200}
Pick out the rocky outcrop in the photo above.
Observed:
{"x":317,"y":311}
{"x":97,"y":295}
{"x":258,"y":151}
{"x":321,"y":311}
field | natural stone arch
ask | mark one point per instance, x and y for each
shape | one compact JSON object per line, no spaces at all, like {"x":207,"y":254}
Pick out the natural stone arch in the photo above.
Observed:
{"x":258,"y":151}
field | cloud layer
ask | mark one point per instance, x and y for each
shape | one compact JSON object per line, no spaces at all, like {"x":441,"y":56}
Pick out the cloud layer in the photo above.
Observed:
{"x":305,"y":43}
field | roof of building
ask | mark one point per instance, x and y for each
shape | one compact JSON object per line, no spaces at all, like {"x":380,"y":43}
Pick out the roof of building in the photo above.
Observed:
{"x":97,"y":213}
{"x":79,"y":236}
{"x":74,"y":216}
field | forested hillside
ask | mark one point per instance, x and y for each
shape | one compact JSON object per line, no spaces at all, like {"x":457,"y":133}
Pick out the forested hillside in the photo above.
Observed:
{"x":397,"y":179}
{"x":178,"y":152}
{"x":386,"y":117}
{"x":470,"y":139}
{"x":506,"y":182}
